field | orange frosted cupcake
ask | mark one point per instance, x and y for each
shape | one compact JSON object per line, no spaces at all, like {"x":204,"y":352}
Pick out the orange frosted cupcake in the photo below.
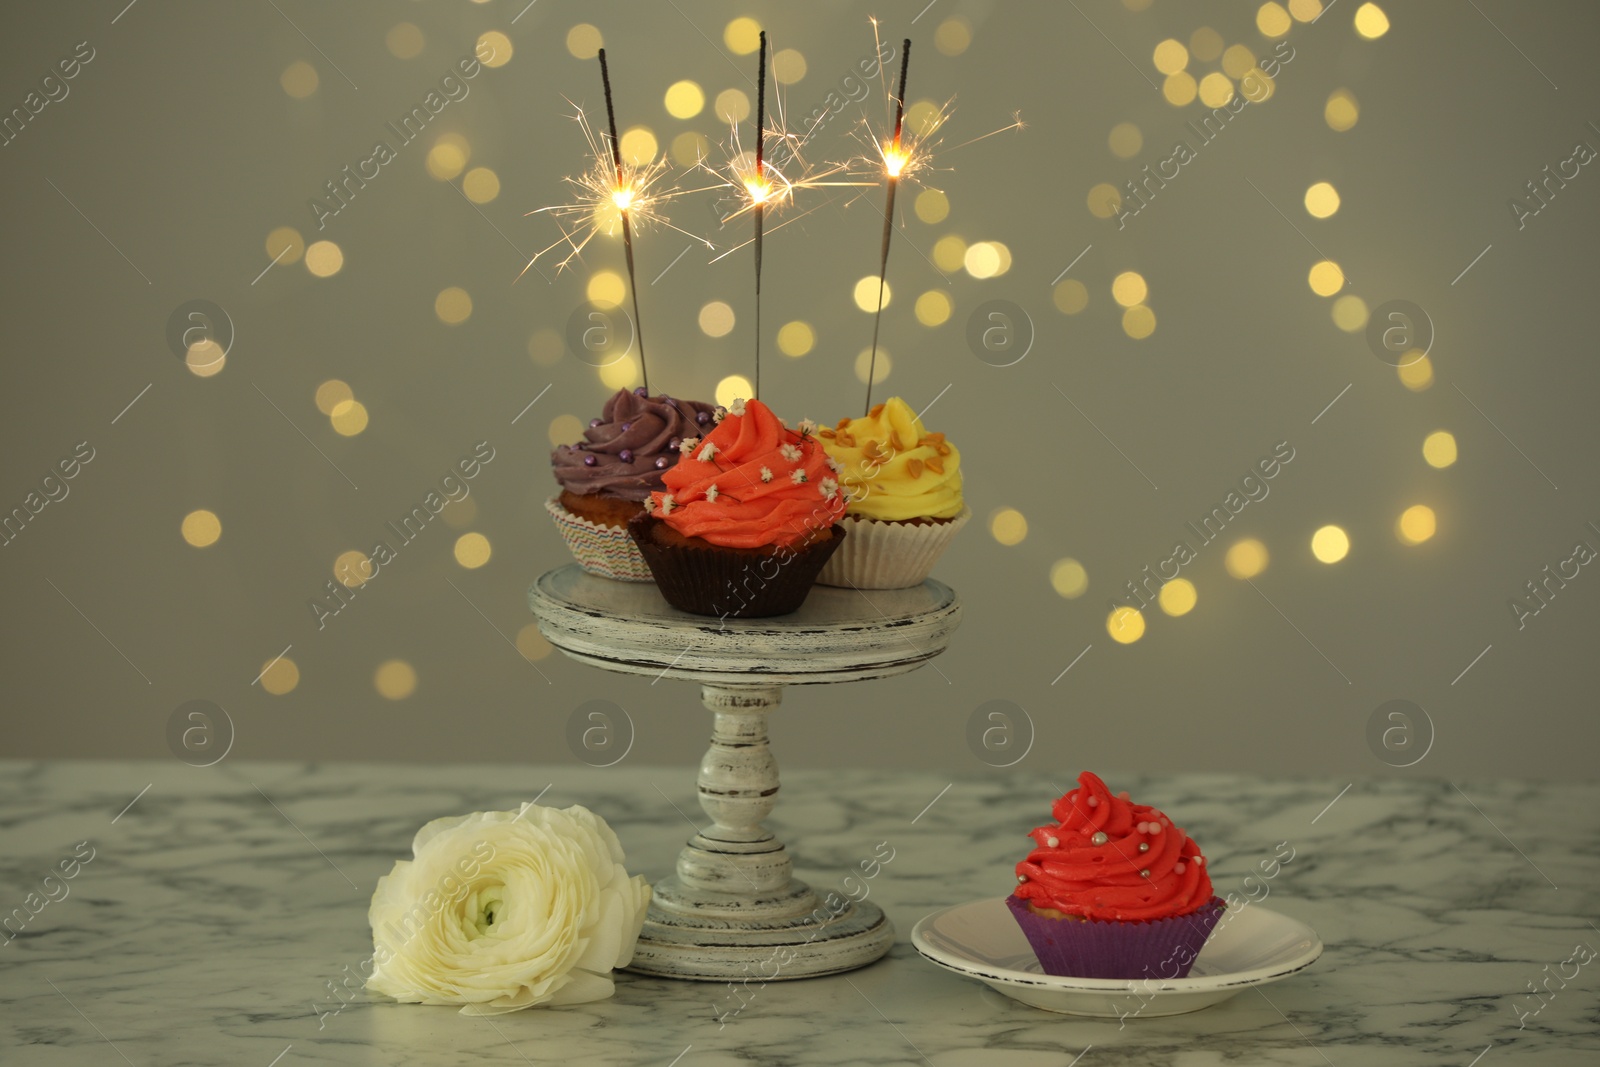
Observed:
{"x":746,"y":518}
{"x":1113,"y":889}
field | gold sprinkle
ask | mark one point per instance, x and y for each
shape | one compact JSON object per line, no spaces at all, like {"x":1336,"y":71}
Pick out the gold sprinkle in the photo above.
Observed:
{"x":845,"y":439}
{"x":942,"y":448}
{"x":914,"y":467}
{"x":825,"y":432}
{"x":871,"y":450}
{"x":877,"y":411}
{"x":842,"y":424}
{"x":894,"y":441}
{"x":936,"y":465}
{"x":937,"y":437}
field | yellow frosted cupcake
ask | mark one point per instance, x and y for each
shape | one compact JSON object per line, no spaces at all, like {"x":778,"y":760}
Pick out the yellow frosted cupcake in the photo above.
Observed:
{"x":905,"y":504}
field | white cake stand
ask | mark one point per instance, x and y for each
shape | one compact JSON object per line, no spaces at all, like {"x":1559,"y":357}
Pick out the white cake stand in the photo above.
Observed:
{"x":734,"y":902}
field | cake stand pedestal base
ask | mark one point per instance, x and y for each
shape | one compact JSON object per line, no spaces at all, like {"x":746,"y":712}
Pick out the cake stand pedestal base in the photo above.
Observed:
{"x":734,"y":909}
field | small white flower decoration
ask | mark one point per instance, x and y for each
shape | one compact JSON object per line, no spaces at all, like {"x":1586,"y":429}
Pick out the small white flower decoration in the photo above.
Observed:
{"x":712,"y":492}
{"x":797,"y":476}
{"x":707,"y":452}
{"x":667,"y":504}
{"x":686,"y":446}
{"x":719,"y":413}
{"x":829,"y":488}
{"x":737,"y":407}
{"x":650,"y":503}
{"x":790,"y":453}
{"x":766,"y":474}
{"x":807,"y":427}
{"x":835,"y":466}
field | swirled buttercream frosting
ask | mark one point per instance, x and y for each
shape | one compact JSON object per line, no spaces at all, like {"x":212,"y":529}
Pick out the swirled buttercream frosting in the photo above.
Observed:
{"x":1106,"y":857}
{"x":893,"y":468}
{"x":635,"y":441}
{"x":749,"y":483}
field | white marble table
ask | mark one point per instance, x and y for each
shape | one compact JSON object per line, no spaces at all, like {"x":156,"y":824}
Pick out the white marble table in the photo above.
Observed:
{"x":221,"y":904}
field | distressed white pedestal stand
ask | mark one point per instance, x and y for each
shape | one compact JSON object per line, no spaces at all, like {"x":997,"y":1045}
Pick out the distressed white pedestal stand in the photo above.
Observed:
{"x":734,"y":902}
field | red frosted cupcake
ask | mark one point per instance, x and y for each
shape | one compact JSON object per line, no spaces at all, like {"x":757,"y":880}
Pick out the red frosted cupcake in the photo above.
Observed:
{"x":746,"y":520}
{"x":1113,"y":889}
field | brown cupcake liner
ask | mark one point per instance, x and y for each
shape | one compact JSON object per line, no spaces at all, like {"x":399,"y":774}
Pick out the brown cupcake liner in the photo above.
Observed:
{"x":606,"y":551}
{"x":732,"y":583}
{"x":889,"y":555}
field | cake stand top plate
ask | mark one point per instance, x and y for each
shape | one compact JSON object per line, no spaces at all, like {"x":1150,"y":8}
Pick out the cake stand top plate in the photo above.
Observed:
{"x":837,"y":635}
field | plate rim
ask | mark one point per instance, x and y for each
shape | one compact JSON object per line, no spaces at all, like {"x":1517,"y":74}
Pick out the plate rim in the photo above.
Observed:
{"x":1070,"y":984}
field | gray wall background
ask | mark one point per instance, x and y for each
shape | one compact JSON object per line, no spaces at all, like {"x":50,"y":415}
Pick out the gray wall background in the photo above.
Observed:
{"x":157,"y":179}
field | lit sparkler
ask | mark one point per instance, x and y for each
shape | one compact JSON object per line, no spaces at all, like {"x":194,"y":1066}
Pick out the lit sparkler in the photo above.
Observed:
{"x":612,"y":192}
{"x":898,"y":162}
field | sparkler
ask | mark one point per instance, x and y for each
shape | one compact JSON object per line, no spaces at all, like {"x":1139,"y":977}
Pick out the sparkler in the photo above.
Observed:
{"x":759,"y":191}
{"x":896,"y":163}
{"x":623,"y":198}
{"x":612,"y":191}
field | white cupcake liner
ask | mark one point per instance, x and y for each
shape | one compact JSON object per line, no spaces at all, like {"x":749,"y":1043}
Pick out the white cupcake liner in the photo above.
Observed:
{"x":889,"y":555}
{"x":608,"y":551}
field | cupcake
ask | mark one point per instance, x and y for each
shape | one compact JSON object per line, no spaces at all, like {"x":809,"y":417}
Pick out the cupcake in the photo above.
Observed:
{"x":905,"y":504}
{"x":606,"y":478}
{"x":746,"y":519}
{"x":1113,"y":889}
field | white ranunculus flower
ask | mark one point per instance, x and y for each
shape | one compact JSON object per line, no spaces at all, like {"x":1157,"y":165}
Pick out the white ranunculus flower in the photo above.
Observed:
{"x":502,"y":910}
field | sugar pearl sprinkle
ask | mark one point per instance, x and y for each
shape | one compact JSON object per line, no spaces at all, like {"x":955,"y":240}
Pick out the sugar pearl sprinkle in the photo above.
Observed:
{"x":1052,"y":842}
{"x":1144,"y":873}
{"x":1022,"y":878}
{"x":1144,"y":846}
{"x":1099,"y":838}
{"x":1178,"y":868}
{"x":1094,"y":802}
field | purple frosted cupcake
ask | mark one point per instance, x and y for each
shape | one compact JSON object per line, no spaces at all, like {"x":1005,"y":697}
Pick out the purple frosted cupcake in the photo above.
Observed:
{"x":606,"y":477}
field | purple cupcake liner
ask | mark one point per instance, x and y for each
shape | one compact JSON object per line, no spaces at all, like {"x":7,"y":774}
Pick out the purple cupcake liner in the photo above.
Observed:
{"x":1107,"y":948}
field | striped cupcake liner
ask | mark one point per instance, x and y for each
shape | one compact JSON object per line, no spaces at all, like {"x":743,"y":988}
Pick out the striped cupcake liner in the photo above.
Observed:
{"x":607,"y":551}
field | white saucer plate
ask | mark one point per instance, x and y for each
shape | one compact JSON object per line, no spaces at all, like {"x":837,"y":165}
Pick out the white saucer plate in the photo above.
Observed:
{"x":981,"y":939}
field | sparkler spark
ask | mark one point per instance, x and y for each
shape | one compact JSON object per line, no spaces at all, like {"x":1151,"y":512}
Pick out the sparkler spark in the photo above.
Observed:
{"x":605,"y":194}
